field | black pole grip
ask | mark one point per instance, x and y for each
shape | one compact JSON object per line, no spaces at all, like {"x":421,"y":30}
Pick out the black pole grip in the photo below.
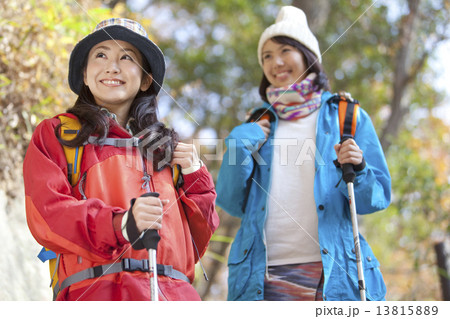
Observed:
{"x":348,"y":173}
{"x":150,"y":237}
{"x":348,"y":170}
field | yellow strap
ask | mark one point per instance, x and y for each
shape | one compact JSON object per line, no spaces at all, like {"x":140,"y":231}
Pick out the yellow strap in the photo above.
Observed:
{"x":53,"y":272}
{"x":175,"y":173}
{"x":69,"y":130}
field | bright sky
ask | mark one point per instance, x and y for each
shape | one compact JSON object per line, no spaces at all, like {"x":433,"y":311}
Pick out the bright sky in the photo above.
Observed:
{"x":442,"y":65}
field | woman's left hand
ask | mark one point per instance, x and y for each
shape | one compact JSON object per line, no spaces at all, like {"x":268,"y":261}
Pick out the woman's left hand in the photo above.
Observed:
{"x":186,"y":156}
{"x":349,"y":152}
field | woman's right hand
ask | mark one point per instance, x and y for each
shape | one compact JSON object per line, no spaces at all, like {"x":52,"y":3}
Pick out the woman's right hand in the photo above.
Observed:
{"x":265,"y":126}
{"x":148,"y":212}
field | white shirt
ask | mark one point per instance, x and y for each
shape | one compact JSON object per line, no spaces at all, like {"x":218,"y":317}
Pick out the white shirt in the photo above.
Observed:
{"x":292,"y":223}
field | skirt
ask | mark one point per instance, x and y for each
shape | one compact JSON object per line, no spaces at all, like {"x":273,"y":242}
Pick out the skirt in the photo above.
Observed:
{"x":296,"y":282}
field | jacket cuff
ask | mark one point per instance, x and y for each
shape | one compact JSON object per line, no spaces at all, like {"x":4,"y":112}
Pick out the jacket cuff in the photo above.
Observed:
{"x":192,"y":169}
{"x":198,"y":182}
{"x":360,"y":166}
{"x":117,"y":224}
{"x":356,"y":168}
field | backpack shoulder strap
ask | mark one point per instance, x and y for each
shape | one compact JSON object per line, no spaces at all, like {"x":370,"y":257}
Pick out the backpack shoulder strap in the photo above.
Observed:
{"x":348,"y":114}
{"x":261,"y":114}
{"x":69,"y":130}
{"x":177,"y":177}
{"x":348,"y":117}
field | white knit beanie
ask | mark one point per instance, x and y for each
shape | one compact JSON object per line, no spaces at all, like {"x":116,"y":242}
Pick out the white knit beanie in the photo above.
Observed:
{"x":291,"y":22}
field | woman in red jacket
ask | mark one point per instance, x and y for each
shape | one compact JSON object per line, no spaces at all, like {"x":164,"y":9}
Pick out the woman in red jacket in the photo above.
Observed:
{"x":94,"y":226}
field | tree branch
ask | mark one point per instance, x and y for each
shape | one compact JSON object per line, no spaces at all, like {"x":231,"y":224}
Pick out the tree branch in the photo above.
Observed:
{"x":401,"y":75}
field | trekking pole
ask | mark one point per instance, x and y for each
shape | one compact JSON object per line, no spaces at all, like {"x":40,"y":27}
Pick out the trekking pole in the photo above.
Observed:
{"x":150,"y":240}
{"x":348,"y":175}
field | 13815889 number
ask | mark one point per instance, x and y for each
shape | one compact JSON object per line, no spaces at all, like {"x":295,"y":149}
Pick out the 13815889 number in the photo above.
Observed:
{"x":407,"y":310}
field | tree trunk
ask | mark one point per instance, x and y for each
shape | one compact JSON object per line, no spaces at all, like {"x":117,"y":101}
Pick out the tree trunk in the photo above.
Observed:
{"x":402,"y":76}
{"x":112,"y":3}
{"x":443,"y":264}
{"x":316,"y":12}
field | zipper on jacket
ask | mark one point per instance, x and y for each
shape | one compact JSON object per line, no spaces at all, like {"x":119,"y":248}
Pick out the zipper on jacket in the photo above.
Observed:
{"x":269,"y":140}
{"x":146,"y":178}
{"x":199,"y":260}
{"x":146,"y":184}
{"x":267,"y":211}
{"x":81,"y":185}
{"x":267,"y":255}
{"x":264,"y":227}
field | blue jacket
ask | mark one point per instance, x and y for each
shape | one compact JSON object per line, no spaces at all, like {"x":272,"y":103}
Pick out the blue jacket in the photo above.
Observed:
{"x":243,"y":186}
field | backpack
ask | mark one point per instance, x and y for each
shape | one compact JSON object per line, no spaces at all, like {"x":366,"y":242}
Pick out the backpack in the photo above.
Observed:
{"x":69,"y":129}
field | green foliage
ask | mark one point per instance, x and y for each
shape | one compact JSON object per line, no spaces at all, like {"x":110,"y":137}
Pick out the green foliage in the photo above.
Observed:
{"x":36,"y":40}
{"x":419,"y":214}
{"x":212,"y":80}
{"x":357,"y":58}
{"x":362,"y":58}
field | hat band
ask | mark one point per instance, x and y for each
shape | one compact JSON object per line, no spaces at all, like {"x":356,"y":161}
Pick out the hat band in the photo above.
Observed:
{"x":126,"y":23}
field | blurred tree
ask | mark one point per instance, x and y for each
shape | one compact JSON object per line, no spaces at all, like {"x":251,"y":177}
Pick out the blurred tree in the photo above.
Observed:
{"x":36,"y":38}
{"x":381,"y":53}
{"x":419,"y":160}
{"x":377,"y":52}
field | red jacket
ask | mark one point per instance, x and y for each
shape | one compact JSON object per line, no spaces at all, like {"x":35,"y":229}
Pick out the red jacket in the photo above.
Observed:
{"x":87,"y":232}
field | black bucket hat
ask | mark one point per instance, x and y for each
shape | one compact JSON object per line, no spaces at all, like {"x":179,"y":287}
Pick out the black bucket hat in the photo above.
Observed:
{"x":117,"y":29}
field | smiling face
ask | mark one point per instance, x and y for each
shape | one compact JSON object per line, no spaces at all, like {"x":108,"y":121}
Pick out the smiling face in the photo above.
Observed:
{"x":114,"y":75}
{"x":283,"y":64}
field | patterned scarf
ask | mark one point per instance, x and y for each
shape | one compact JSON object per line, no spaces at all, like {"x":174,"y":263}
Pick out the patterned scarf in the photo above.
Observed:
{"x":295,"y":101}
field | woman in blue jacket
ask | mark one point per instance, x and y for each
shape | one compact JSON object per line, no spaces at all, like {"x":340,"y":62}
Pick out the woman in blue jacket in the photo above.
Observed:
{"x":295,"y":241}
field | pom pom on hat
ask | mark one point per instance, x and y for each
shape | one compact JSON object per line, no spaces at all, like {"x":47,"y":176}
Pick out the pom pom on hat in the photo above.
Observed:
{"x":291,"y":22}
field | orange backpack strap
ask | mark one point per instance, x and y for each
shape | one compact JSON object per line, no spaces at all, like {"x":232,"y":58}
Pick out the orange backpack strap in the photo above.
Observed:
{"x":348,"y":117}
{"x":348,"y":114}
{"x":69,"y":130}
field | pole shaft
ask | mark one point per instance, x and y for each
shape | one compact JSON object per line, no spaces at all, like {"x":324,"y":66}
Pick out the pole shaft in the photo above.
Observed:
{"x":359,"y":265}
{"x":153,"y":274}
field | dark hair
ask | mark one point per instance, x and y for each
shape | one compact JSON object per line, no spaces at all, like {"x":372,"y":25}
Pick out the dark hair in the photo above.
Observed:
{"x":312,"y":66}
{"x":160,"y":141}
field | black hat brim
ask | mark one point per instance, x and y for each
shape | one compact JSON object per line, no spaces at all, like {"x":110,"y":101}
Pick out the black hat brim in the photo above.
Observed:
{"x":148,"y":49}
